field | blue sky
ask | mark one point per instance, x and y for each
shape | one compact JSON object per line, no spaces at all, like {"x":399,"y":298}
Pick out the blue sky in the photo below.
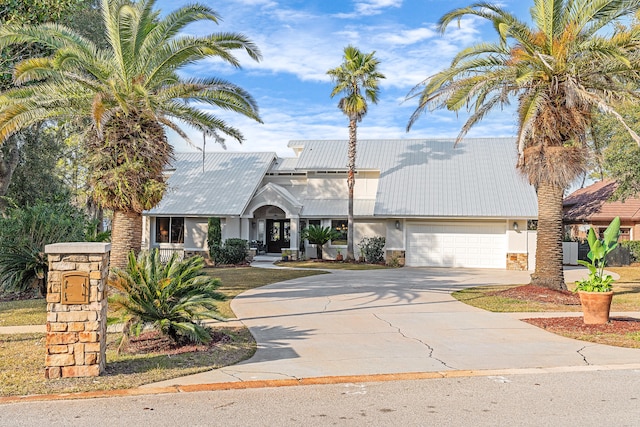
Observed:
{"x":300,"y":40}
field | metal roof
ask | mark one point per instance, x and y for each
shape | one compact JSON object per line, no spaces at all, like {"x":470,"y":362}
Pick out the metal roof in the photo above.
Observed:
{"x":429,"y":178}
{"x":434,"y":178}
{"x":222,"y":185}
{"x":284,"y":164}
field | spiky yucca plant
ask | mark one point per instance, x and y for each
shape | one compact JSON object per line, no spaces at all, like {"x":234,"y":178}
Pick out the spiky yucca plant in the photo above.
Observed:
{"x":173,"y":298}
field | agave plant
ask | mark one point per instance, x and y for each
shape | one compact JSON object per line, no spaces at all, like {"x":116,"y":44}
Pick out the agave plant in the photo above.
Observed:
{"x":173,"y":298}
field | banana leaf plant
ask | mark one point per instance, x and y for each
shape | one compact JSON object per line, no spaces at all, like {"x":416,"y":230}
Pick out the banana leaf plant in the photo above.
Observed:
{"x":597,"y":281}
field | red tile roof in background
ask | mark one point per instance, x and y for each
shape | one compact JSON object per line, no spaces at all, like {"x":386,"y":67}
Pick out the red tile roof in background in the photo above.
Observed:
{"x":590,"y":204}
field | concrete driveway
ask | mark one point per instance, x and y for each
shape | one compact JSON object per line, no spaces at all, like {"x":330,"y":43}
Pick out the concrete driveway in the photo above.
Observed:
{"x":394,"y":321}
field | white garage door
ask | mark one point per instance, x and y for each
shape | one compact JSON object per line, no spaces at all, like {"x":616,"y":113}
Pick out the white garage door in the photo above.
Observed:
{"x":467,"y":244}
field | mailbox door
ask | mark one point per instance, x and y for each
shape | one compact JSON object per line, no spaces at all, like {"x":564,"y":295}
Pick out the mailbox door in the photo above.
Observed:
{"x":75,"y":288}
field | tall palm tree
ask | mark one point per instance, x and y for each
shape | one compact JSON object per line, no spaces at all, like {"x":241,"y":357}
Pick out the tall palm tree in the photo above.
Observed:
{"x":575,"y":58}
{"x":125,"y":97}
{"x":357,"y":79}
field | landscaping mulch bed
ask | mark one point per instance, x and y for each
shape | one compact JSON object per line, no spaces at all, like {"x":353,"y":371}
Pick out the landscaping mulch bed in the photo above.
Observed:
{"x":536,"y":293}
{"x":570,"y":326}
{"x":154,"y":342}
{"x":616,"y":325}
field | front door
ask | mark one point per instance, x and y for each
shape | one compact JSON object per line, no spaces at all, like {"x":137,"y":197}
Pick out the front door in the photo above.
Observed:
{"x":278,"y":235}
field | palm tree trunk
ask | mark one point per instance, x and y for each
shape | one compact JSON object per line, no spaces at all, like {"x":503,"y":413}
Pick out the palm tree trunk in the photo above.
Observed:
{"x":126,"y":235}
{"x":549,"y":273}
{"x":351,"y":181}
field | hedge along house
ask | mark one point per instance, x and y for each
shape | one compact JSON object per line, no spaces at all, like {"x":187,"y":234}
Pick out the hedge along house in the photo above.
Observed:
{"x":437,"y":205}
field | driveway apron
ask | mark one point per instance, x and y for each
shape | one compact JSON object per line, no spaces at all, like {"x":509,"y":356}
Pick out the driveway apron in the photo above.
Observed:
{"x":392,"y":321}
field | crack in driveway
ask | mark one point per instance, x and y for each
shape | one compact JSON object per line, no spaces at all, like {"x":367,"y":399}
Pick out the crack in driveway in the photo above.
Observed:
{"x":583,"y":356}
{"x":429,"y":348}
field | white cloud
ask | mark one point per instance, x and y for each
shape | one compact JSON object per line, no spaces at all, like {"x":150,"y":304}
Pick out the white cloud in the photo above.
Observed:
{"x":407,"y":37}
{"x":374,"y":7}
{"x":299,"y":45}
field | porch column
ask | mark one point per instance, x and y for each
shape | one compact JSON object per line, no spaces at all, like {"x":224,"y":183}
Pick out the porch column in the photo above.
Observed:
{"x":294,"y":224}
{"x":245,"y":226}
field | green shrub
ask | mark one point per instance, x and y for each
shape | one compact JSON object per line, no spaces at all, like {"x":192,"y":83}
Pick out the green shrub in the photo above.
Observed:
{"x":634,"y":248}
{"x":23,"y":236}
{"x":173,"y":298}
{"x":233,"y":251}
{"x":372,"y":249}
{"x":214,"y":233}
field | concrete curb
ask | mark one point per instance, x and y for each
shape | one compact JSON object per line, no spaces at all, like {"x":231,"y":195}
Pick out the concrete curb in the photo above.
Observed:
{"x":242,"y":385}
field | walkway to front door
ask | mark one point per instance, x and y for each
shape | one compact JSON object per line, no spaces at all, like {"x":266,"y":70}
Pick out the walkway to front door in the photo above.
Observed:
{"x":277,"y":235}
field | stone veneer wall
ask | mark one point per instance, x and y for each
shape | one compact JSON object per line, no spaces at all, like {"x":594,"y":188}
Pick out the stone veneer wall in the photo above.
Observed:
{"x":517,"y":261}
{"x":399,"y":255}
{"x":76,"y":333}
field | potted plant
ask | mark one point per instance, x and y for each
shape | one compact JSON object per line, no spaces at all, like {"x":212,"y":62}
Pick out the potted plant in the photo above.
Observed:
{"x":339,"y":257}
{"x":595,"y":291}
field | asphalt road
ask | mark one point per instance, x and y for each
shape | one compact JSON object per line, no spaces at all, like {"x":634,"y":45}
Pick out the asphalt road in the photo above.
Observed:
{"x":601,"y":398}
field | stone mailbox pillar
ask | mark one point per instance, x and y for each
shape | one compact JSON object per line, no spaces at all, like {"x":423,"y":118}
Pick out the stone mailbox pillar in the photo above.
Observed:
{"x":76,"y":309}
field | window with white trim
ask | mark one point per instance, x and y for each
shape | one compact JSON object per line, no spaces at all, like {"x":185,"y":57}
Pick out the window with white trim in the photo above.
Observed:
{"x":169,"y":229}
{"x":341,"y":226}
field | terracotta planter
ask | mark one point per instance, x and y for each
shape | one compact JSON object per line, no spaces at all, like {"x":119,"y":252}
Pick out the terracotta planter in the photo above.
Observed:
{"x":339,"y":257}
{"x":596,"y":307}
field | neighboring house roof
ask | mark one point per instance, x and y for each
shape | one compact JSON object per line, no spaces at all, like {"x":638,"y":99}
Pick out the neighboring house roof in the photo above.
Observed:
{"x":433,"y":177}
{"x":230,"y":178}
{"x":592,"y":204}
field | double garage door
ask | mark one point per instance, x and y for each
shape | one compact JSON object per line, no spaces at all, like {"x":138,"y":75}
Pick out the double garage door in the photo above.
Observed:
{"x":464,"y":244}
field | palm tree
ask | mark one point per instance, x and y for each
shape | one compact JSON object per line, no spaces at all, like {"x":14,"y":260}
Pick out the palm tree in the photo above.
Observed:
{"x":319,"y":236}
{"x":125,"y":97}
{"x":574,"y":59}
{"x":357,"y":74}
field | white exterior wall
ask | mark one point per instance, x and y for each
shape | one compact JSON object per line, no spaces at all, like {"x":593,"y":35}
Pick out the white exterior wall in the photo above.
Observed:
{"x":230,"y":228}
{"x":146,"y":233}
{"x":517,"y":240}
{"x":395,"y":236}
{"x":195,"y":234}
{"x":330,"y":186}
{"x":532,"y":240}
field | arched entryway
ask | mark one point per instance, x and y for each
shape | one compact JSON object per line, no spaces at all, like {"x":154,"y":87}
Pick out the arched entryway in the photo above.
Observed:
{"x":274,"y":214}
{"x":277,"y":228}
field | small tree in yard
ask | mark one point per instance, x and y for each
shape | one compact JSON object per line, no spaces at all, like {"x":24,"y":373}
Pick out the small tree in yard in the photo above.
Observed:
{"x":319,"y":236}
{"x":173,"y":298}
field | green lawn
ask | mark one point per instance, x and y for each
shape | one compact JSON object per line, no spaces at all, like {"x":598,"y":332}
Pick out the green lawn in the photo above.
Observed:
{"x":26,"y":312}
{"x":22,"y":355}
{"x":626,"y":296}
{"x":22,"y":364}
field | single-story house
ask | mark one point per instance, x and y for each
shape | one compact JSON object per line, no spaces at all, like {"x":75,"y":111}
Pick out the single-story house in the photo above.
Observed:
{"x":590,"y":207}
{"x":436,"y":204}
